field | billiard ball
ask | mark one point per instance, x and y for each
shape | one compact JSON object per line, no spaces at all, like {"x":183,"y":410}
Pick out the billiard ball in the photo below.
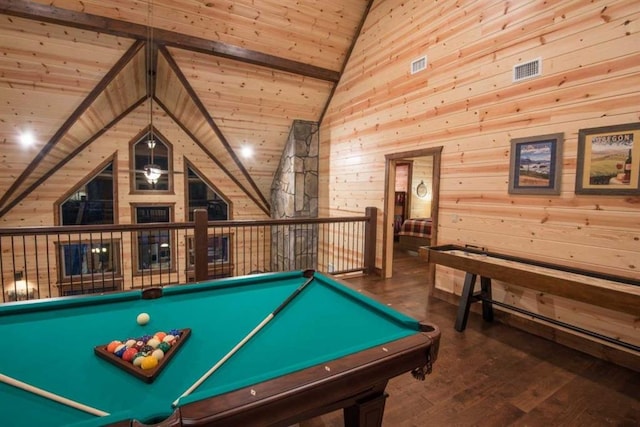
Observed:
{"x":111,"y":348}
{"x":149,"y":362}
{"x":120,"y":350}
{"x":129,"y":354}
{"x":159,"y":336}
{"x":137,"y":359}
{"x":143,"y":319}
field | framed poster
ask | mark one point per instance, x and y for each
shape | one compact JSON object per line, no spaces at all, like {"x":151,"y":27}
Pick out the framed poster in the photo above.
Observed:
{"x":535,"y":164}
{"x":608,"y":160}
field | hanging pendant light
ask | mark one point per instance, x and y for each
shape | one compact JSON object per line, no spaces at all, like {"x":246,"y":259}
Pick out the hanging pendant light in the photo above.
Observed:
{"x":152,"y":172}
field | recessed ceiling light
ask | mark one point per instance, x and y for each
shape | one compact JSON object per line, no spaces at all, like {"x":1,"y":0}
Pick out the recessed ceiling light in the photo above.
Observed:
{"x":247,"y":152}
{"x":27,"y":139}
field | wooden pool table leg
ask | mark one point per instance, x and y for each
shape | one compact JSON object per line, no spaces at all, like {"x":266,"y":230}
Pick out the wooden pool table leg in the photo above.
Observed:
{"x":367,"y":413}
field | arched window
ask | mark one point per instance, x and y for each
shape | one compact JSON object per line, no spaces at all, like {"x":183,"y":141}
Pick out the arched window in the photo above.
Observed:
{"x":151,"y":163}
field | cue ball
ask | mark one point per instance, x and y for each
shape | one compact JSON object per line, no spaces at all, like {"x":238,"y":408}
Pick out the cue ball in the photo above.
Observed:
{"x":143,"y":319}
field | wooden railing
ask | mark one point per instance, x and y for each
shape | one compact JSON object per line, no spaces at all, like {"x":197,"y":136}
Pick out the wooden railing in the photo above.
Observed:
{"x":42,"y":262}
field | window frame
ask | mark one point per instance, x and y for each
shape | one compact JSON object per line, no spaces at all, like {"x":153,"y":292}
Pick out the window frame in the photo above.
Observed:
{"x":215,"y":268}
{"x":137,"y":236}
{"x":57,"y":206}
{"x":187,"y":209}
{"x":133,"y":172}
{"x":85,"y":283}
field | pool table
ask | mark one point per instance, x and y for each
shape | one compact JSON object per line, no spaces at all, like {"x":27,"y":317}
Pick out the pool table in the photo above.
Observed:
{"x":331,"y":347}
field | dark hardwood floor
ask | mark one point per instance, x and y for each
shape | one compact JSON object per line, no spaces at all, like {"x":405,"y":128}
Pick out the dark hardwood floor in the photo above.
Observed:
{"x":493,"y":374}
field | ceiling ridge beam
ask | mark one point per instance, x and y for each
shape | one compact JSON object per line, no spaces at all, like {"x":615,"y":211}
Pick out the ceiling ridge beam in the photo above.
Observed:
{"x":71,"y":155}
{"x":56,"y":15}
{"x":212,"y":157}
{"x":205,"y":113}
{"x":81,"y":109}
{"x":356,"y":36}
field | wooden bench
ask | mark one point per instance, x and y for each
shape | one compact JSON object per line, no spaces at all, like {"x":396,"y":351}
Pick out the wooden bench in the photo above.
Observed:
{"x":616,"y":293}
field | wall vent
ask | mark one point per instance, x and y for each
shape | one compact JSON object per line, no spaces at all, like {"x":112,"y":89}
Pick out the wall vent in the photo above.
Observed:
{"x":418,"y":65}
{"x":527,"y":70}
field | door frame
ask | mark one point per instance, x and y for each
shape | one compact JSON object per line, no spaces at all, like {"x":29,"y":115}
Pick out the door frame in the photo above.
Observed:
{"x":389,"y":193}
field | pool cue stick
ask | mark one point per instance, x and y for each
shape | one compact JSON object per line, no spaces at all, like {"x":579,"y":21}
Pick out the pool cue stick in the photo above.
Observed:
{"x":309,"y":275}
{"x":51,"y":396}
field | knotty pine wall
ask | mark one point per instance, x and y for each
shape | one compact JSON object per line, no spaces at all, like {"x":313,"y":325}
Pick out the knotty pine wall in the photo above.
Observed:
{"x":465,"y":101}
{"x":37,"y":209}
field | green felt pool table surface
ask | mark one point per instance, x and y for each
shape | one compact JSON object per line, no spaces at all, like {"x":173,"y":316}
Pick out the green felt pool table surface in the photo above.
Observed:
{"x":49,"y":344}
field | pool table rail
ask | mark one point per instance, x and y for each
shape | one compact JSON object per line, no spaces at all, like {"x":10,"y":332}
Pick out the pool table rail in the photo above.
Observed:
{"x":355,"y":383}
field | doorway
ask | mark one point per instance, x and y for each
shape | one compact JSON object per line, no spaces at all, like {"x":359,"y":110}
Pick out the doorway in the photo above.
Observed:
{"x":411,"y":203}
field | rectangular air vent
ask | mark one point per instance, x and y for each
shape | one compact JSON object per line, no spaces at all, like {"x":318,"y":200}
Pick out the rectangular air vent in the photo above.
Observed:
{"x":527,"y":70}
{"x":418,"y":65}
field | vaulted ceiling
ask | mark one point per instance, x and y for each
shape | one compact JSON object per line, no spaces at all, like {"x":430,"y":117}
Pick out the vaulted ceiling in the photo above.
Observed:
{"x":229,"y":73}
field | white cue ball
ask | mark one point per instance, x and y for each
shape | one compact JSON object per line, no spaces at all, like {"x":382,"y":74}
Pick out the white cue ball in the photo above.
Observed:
{"x":143,"y":319}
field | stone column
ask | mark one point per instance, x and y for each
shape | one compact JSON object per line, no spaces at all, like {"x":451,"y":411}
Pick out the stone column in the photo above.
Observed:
{"x":294,"y":194}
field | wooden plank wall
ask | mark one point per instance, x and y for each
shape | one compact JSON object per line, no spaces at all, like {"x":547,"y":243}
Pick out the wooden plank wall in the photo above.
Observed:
{"x":37,"y":208}
{"x":466,"y":102}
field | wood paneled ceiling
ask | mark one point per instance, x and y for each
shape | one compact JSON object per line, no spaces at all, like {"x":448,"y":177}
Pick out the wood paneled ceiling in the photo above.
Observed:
{"x":229,"y":73}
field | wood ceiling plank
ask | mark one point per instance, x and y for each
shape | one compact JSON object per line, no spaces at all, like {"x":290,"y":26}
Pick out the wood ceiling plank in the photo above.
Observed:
{"x":62,"y":130}
{"x":72,"y":13}
{"x":254,"y":106}
{"x":288,"y":29}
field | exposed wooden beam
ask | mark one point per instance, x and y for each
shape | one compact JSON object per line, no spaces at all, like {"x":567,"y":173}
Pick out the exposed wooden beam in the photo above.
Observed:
{"x":237,"y":53}
{"x":46,"y":13}
{"x":84,"y":105}
{"x":151,"y":69}
{"x":70,"y":156}
{"x":205,"y":113}
{"x":211,"y":156}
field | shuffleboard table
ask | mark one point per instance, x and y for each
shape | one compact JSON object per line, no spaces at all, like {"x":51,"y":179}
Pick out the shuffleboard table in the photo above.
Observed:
{"x":617,"y":293}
